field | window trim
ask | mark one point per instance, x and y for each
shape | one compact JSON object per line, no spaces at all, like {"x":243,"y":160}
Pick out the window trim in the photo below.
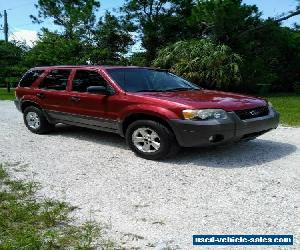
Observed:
{"x":92,"y":70}
{"x":36,"y":81}
{"x":116,"y":87}
{"x":47,"y":72}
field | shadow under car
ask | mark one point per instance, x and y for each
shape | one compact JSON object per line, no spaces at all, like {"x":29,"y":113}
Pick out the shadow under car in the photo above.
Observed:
{"x":234,"y":155}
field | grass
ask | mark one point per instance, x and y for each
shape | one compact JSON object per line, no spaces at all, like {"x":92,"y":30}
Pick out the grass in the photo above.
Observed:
{"x":7,"y":96}
{"x":288,"y":105}
{"x":27,"y":223}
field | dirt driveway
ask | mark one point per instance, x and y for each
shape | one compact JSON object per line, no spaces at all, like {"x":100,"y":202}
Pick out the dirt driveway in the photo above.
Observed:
{"x":247,"y":188}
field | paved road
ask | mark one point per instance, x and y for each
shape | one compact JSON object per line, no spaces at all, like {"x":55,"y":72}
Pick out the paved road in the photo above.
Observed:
{"x":247,"y":188}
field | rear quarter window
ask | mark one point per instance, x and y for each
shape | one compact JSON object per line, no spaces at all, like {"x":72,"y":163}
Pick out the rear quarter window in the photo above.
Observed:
{"x":57,"y":79}
{"x":30,"y":77}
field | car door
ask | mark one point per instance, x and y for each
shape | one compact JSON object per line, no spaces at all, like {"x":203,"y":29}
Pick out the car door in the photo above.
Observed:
{"x":54,"y":94}
{"x":90,"y":108}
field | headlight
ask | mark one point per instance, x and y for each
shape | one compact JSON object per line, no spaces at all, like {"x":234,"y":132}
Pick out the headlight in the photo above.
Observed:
{"x":204,"y":114}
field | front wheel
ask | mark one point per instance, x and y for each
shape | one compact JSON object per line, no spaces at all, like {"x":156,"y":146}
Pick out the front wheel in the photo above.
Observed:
{"x":151,"y":140}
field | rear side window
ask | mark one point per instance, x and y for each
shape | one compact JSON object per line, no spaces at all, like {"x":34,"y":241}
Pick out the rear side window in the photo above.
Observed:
{"x":30,"y":77}
{"x":85,"y":78}
{"x":56,"y":80}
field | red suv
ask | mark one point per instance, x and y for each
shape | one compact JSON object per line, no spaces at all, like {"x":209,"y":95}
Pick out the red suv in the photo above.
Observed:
{"x":156,"y":111}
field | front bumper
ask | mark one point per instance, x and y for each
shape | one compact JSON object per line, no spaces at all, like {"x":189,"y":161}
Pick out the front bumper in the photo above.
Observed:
{"x":212,"y":132}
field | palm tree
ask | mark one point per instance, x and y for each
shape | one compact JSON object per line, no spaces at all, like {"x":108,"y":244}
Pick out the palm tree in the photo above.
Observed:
{"x":202,"y":62}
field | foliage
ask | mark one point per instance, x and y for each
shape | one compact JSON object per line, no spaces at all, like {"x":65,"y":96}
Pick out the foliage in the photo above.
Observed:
{"x":11,"y":62}
{"x":55,"y":49}
{"x":272,"y":57}
{"x":267,"y":48}
{"x":159,"y":22}
{"x":112,"y":39}
{"x":82,"y":40}
{"x":27,"y":223}
{"x":77,"y":20}
{"x":76,"y":17}
{"x":202,"y":62}
{"x":270,"y":52}
{"x":138,"y":59}
{"x":223,"y":20}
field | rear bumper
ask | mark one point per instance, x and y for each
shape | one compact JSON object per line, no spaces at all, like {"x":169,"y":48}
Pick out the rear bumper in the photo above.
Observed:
{"x":212,"y":132}
{"x":18,"y":105}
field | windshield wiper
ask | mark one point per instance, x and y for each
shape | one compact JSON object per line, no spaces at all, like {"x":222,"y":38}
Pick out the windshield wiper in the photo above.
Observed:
{"x":166,"y":90}
{"x":180,"y":89}
{"x":150,"y":90}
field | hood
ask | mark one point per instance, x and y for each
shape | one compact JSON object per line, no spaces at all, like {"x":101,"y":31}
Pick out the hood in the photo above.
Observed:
{"x":209,"y":99}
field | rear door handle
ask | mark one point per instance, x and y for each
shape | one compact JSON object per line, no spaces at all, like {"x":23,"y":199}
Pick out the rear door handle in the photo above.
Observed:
{"x":40,"y":95}
{"x":75,"y":99}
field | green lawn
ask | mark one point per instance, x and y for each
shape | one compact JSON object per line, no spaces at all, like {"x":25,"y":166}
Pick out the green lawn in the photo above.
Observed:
{"x":7,"y":96}
{"x":288,"y":105}
{"x":30,"y":223}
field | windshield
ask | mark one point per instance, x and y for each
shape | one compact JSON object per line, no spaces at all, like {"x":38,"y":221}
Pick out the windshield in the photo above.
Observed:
{"x":149,"y":80}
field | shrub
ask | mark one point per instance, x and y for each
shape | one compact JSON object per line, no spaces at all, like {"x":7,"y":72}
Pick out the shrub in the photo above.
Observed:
{"x":202,"y":62}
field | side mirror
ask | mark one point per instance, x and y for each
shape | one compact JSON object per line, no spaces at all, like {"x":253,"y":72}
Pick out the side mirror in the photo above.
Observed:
{"x":100,"y":90}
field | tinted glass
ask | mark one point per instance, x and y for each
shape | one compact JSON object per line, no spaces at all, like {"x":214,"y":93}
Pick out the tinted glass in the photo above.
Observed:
{"x":30,"y":77}
{"x":56,"y":80}
{"x":139,"y":80}
{"x":85,"y":78}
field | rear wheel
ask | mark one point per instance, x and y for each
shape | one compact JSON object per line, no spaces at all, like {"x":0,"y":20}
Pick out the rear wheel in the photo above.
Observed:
{"x":151,"y":140}
{"x":36,"y":121}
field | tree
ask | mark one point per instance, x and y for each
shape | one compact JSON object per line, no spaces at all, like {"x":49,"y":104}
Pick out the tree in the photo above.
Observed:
{"x":223,"y":20}
{"x":53,"y":48}
{"x":265,"y":46}
{"x":159,"y":22}
{"x":138,"y":59}
{"x":76,"y":17}
{"x":82,"y":40}
{"x":11,"y":61}
{"x":111,"y":41}
{"x":202,"y":62}
{"x":290,"y":14}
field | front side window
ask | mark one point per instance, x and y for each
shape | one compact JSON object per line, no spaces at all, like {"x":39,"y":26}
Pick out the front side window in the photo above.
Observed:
{"x":30,"y":77}
{"x":149,"y":80}
{"x":86,"y":78}
{"x":56,"y":79}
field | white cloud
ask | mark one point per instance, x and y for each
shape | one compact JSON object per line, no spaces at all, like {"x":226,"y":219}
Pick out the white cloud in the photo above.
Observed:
{"x":27,"y":36}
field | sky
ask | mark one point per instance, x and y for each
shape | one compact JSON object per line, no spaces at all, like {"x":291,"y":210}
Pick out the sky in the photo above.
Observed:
{"x":21,"y":27}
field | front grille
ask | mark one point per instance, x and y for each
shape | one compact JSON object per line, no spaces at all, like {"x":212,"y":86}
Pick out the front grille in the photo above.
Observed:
{"x":252,"y":113}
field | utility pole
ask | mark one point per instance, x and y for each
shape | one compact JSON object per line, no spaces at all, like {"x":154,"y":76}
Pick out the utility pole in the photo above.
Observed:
{"x":5,"y":26}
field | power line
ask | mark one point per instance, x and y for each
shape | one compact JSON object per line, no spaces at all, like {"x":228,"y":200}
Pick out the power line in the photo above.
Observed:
{"x":13,"y":35}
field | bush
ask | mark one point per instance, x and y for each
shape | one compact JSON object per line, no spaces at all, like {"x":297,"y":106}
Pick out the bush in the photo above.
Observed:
{"x":202,"y":62}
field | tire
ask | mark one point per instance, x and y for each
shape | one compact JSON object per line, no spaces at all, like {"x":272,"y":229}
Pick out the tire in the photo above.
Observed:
{"x":36,"y":121}
{"x":151,"y":140}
